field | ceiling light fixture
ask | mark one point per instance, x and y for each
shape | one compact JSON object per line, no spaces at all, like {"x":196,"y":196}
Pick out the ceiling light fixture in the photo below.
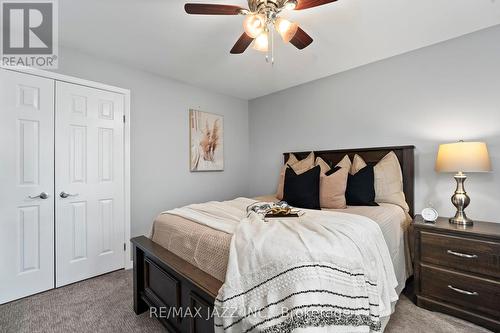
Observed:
{"x":262,"y":19}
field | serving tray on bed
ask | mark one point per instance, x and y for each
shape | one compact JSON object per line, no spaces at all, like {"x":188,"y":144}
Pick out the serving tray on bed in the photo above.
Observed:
{"x":280,"y":215}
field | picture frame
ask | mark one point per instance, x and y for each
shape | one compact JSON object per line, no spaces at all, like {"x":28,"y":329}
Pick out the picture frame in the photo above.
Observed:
{"x":206,"y":141}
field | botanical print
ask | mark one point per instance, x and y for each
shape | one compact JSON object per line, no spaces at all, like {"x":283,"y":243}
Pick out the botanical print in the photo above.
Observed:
{"x":207,"y":141}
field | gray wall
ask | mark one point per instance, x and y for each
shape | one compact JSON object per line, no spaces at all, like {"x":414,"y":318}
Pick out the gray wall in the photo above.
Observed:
{"x":160,"y":138}
{"x":438,"y":94}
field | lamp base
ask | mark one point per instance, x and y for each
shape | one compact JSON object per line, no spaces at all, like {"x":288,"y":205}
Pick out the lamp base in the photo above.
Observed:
{"x":461,"y":219}
{"x":460,"y":200}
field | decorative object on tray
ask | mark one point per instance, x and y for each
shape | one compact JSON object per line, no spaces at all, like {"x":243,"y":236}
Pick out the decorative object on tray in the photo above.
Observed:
{"x":281,"y":212}
{"x":462,"y":157}
{"x":206,"y":131}
{"x":279,"y":209}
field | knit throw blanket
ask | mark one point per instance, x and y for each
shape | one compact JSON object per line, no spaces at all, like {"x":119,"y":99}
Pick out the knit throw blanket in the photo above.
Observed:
{"x":321,"y":272}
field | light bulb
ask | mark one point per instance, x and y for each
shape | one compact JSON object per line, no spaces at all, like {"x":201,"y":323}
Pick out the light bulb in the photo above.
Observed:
{"x":291,"y":4}
{"x":286,"y":29}
{"x":261,"y":43}
{"x":254,"y":25}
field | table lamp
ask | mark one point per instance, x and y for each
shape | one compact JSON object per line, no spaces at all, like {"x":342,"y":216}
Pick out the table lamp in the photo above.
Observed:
{"x":461,"y":157}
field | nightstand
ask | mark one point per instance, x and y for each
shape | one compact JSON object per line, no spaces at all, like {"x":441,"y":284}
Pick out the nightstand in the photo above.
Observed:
{"x":457,"y":270}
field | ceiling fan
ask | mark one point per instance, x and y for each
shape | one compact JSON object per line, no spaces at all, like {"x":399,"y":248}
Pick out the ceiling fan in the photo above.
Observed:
{"x":261,"y":18}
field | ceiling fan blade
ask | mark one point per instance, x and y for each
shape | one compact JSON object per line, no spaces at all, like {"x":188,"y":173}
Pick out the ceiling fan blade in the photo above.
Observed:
{"x":210,"y":9}
{"x":301,"y":39}
{"x":242,"y":44}
{"x":305,"y":4}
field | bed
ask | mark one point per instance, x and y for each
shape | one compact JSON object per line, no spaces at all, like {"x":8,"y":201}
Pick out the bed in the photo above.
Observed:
{"x":183,"y":264}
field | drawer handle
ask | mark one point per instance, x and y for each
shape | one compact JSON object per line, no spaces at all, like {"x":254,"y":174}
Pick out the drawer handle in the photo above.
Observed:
{"x":461,"y":291}
{"x":463,"y":255}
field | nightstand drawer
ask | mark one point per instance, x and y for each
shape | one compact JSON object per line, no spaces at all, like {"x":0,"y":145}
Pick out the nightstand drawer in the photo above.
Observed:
{"x":469,"y":255}
{"x":471,"y":293}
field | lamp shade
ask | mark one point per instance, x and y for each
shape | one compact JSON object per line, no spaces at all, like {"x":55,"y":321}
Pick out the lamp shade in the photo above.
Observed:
{"x":463,"y":157}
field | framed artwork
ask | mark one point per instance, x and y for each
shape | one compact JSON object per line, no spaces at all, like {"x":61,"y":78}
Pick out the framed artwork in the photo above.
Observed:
{"x":206,"y":131}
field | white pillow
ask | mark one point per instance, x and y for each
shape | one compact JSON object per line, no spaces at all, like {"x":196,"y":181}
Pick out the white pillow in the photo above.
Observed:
{"x":345,"y":163}
{"x":357,"y":164}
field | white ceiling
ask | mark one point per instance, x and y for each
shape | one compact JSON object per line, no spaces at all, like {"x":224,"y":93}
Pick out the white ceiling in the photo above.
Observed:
{"x":158,"y":37}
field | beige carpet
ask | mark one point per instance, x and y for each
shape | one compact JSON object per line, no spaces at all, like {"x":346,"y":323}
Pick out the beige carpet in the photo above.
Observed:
{"x":104,"y":304}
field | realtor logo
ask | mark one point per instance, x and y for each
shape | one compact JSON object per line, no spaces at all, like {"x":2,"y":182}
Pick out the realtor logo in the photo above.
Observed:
{"x":29,"y":33}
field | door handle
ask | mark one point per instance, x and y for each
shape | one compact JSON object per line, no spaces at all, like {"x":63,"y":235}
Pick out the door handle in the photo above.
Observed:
{"x":43,"y":196}
{"x":65,"y":195}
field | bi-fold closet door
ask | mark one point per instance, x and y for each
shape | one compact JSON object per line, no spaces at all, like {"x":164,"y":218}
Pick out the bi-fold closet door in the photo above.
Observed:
{"x":61,"y":183}
{"x":89,"y":178}
{"x":26,"y":185}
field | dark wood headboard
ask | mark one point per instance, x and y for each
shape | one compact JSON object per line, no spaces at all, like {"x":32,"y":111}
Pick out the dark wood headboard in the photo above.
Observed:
{"x":371,"y":156}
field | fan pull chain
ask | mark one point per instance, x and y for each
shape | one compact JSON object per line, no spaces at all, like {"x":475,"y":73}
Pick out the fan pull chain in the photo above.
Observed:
{"x":272,"y":46}
{"x":270,"y":49}
{"x":269,"y":33}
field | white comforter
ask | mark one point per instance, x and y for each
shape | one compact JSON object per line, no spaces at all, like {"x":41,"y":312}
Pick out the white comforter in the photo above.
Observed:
{"x":329,"y":271}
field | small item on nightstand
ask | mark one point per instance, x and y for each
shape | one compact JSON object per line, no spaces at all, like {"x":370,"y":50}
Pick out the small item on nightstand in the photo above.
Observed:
{"x":430,"y":215}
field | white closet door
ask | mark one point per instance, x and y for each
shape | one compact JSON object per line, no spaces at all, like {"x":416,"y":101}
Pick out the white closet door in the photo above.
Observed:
{"x":89,"y":182}
{"x":26,"y":170}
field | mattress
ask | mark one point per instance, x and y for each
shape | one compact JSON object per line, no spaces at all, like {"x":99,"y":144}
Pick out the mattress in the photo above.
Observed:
{"x":208,"y":249}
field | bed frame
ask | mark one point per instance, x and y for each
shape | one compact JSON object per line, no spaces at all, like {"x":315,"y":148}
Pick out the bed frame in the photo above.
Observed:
{"x":181,"y":295}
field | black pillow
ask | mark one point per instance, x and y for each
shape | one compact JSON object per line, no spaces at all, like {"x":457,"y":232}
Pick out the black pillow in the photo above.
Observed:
{"x":302,"y":190}
{"x":361,"y":188}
